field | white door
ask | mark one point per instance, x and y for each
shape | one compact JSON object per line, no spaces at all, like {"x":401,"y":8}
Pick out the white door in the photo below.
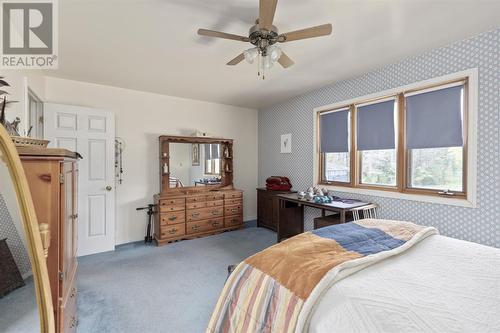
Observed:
{"x":91,"y":133}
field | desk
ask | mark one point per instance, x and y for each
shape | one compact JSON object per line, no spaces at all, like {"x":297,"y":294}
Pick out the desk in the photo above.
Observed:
{"x":291,"y":213}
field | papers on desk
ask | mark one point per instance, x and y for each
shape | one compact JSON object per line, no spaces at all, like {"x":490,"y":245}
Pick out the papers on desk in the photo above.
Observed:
{"x":340,"y":204}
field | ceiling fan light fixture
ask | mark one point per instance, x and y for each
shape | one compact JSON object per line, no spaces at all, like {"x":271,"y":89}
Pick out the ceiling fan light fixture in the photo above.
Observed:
{"x":274,"y":53}
{"x":251,"y":55}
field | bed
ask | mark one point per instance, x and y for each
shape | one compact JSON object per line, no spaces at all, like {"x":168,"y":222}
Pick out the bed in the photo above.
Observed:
{"x":426,"y":283}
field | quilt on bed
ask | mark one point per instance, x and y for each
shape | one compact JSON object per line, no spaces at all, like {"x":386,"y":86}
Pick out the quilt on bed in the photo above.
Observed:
{"x":276,"y":290}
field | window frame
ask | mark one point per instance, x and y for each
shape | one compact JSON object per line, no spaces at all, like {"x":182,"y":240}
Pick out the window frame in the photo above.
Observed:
{"x":403,"y":155}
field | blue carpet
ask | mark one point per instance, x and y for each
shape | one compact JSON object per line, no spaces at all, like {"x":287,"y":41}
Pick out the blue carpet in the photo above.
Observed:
{"x":173,"y":288}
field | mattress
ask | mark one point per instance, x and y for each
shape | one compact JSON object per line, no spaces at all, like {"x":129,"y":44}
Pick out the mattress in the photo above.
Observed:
{"x":440,"y":285}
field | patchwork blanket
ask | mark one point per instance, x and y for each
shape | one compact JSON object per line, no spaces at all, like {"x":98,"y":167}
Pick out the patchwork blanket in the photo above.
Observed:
{"x":277,"y":289}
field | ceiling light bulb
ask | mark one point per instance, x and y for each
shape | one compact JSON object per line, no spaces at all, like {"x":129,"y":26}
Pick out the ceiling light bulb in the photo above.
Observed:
{"x":274,"y":53}
{"x":250,"y":55}
{"x":267,"y":62}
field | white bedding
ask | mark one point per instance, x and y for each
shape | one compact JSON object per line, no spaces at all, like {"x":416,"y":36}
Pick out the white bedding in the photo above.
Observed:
{"x":440,"y":285}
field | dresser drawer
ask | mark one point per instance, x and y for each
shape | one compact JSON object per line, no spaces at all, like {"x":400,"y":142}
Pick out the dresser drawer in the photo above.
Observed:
{"x":215,"y":196}
{"x":233,"y":210}
{"x":231,"y":202}
{"x":172,"y":208}
{"x":232,"y":195}
{"x":172,"y":202}
{"x":215,"y":203}
{"x":172,"y":218}
{"x":173,"y":231}
{"x":204,"y":213}
{"x":232,"y":221}
{"x":205,"y":225}
{"x":194,"y":205}
{"x":198,"y":198}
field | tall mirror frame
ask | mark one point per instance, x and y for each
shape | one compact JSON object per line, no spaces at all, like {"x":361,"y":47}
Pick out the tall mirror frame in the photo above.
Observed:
{"x":8,"y":154}
{"x":226,"y":160}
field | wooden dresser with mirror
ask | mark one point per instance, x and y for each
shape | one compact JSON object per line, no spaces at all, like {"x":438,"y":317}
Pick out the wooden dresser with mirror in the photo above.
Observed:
{"x":197,"y":197}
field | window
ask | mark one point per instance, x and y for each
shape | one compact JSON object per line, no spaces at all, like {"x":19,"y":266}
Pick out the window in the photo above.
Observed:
{"x":413,"y":141}
{"x":212,"y":159}
{"x":376,"y":142}
{"x":335,"y":150}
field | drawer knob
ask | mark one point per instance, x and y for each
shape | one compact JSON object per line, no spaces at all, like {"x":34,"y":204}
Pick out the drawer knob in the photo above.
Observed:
{"x":195,"y":214}
{"x":215,"y":224}
{"x":172,"y":231}
{"x":172,"y":218}
{"x":215,"y":212}
{"x":234,"y":210}
{"x":195,"y":227}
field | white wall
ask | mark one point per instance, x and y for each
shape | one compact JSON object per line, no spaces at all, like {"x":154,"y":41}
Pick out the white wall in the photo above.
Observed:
{"x":140,"y":118}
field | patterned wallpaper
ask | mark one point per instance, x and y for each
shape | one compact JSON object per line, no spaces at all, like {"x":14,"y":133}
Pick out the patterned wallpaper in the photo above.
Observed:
{"x":8,"y":230}
{"x":481,"y":224}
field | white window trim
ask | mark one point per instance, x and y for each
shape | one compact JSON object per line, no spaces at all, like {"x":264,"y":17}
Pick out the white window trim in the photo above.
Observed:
{"x":471,"y":199}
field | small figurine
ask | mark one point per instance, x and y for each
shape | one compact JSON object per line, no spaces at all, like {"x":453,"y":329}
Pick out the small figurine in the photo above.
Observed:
{"x":301,"y":195}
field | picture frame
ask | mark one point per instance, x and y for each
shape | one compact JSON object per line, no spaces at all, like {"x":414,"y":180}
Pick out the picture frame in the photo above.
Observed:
{"x":286,"y":143}
{"x":195,"y":154}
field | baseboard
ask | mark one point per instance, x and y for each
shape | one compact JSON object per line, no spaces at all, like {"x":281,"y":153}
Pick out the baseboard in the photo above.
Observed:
{"x":250,"y":223}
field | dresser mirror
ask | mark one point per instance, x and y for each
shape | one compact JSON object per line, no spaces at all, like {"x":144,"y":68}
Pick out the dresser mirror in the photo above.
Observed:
{"x":25,"y":301}
{"x":195,"y":163}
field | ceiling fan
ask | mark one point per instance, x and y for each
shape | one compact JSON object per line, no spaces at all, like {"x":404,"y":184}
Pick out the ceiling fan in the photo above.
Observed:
{"x":264,"y":35}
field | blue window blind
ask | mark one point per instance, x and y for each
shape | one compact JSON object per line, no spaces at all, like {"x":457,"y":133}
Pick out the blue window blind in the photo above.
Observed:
{"x":215,"y":151}
{"x":434,"y":119}
{"x":375,"y":126}
{"x":208,"y":151}
{"x":334,"y":132}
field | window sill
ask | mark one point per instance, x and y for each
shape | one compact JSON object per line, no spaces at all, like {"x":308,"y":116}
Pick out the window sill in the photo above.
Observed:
{"x":460,"y":202}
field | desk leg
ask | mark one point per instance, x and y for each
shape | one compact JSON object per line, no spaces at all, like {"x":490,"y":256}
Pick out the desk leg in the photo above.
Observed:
{"x":342,"y":216}
{"x":290,"y":220}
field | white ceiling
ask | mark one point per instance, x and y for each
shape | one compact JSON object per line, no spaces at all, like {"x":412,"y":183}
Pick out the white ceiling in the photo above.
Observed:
{"x":151,"y":45}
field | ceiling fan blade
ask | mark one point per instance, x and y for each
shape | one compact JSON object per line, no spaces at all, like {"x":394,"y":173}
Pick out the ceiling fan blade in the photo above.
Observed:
{"x":218,"y":34}
{"x":237,"y":60}
{"x":285,"y":60}
{"x":267,"y":8}
{"x":320,"y":30}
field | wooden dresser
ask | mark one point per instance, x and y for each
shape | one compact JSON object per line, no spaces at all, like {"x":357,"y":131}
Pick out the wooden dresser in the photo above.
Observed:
{"x":52,"y":176}
{"x":268,"y":208}
{"x":184,"y":210}
{"x":191,"y":214}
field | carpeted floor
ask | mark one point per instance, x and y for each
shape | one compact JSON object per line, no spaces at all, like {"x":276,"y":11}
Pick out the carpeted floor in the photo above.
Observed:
{"x":173,"y":288}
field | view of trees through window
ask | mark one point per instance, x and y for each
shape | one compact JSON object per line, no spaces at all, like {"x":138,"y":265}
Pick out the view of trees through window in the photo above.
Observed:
{"x":336,"y":167}
{"x":378,"y":167}
{"x":437,"y":168}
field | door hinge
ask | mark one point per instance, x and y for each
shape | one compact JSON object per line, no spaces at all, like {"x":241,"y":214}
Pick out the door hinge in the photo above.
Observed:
{"x":61,"y":276}
{"x":61,"y":178}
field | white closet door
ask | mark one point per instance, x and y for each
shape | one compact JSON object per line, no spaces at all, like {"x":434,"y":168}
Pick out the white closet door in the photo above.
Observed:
{"x":91,"y":133}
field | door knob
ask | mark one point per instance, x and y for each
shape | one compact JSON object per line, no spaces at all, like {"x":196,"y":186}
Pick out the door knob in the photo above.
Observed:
{"x":109,"y":188}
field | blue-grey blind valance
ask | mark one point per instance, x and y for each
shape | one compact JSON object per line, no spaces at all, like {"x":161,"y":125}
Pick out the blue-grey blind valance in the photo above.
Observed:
{"x":215,"y":151}
{"x":375,"y":123}
{"x":434,"y":119}
{"x":208,"y":151}
{"x":334,"y":132}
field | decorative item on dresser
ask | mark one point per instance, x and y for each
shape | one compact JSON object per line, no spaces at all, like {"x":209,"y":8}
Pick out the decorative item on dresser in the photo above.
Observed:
{"x":190,"y":211}
{"x":268,"y":208}
{"x":52,"y":176}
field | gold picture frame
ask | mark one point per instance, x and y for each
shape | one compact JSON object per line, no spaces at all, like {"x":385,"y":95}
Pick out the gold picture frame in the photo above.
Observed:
{"x":9,"y":155}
